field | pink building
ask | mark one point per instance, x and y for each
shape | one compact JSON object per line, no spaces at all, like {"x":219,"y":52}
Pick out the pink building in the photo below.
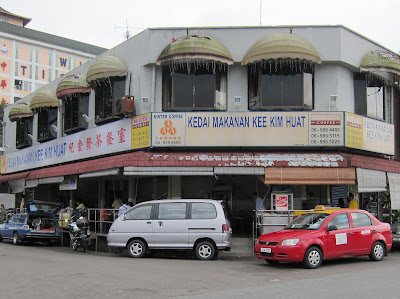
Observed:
{"x":30,"y":59}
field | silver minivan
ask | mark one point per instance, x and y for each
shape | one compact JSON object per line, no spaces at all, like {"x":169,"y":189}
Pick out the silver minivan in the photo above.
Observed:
{"x":191,"y":224}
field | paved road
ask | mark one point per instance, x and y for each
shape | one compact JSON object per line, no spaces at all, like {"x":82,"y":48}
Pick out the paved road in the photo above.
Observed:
{"x":50,"y":272}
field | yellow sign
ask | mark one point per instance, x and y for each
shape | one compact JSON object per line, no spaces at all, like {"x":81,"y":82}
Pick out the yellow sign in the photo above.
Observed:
{"x":354,"y":131}
{"x":3,"y":164}
{"x":141,"y":131}
{"x":369,"y":134}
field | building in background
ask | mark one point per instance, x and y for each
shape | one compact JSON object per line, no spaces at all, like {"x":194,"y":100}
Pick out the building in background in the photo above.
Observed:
{"x":29,"y":59}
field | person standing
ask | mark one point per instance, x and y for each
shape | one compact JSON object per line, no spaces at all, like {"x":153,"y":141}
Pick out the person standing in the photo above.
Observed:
{"x":353,"y":204}
{"x":259,"y":202}
{"x":3,"y":213}
{"x":122,"y":209}
{"x":117,"y":203}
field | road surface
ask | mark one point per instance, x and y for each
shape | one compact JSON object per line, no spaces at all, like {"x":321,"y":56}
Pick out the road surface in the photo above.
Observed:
{"x":40,"y":271}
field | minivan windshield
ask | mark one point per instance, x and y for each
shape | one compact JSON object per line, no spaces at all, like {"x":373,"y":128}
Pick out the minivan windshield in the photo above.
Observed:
{"x":308,"y":221}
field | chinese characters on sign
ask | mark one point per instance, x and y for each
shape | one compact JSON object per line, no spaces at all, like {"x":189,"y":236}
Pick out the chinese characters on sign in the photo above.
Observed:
{"x":102,"y":140}
{"x":168,"y":129}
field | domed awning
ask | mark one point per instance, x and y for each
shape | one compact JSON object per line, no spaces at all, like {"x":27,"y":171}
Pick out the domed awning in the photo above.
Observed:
{"x":195,"y":47}
{"x":20,"y":110}
{"x":72,"y":84}
{"x":383,"y":61}
{"x":282,"y":45}
{"x":45,"y":98}
{"x":105,"y":67}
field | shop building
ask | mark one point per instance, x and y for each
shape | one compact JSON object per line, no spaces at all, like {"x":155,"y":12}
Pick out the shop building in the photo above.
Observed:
{"x":29,"y":59}
{"x":304,"y":115}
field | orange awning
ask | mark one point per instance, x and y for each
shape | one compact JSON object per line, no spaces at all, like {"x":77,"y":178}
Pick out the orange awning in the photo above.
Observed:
{"x":309,"y":176}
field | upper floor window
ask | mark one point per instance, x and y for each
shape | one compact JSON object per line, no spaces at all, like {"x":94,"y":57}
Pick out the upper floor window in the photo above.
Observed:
{"x":280,"y":84}
{"x":106,"y":92}
{"x":195,"y":86}
{"x":24,"y":131}
{"x":75,"y":106}
{"x":47,"y":122}
{"x":370,"y":96}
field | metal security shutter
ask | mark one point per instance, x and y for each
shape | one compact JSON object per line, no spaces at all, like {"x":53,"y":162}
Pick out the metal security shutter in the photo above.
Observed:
{"x":371,"y":180}
{"x":394,"y":188}
{"x":309,"y":176}
{"x":338,"y":192}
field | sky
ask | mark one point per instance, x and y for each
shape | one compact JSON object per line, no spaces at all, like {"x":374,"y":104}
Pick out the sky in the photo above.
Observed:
{"x":102,"y":23}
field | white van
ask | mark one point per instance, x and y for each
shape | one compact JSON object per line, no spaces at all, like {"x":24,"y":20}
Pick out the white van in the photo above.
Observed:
{"x":191,"y":224}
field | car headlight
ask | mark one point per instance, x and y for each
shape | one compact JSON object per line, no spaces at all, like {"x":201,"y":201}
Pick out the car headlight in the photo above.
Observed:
{"x":290,"y":242}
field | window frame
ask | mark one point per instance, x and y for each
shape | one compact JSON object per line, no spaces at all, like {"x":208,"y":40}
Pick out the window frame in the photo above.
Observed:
{"x":338,"y":215}
{"x":101,"y":87}
{"x":255,"y":78}
{"x":138,"y":207}
{"x":361,"y":95}
{"x":23,"y":128}
{"x":168,"y":88}
{"x":358,"y":213}
{"x":80,"y":101}
{"x":166,"y":203}
{"x":204,"y":203}
{"x":47,"y":126}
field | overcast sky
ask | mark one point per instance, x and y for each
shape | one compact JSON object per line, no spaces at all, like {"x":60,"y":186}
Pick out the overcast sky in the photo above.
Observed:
{"x":95,"y":21}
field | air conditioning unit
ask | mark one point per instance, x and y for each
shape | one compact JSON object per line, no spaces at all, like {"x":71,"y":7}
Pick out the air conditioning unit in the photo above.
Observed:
{"x":124,"y":106}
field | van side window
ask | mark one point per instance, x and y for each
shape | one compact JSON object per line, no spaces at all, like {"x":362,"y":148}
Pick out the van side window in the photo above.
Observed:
{"x":201,"y":210}
{"x":361,"y":219}
{"x":139,"y":213}
{"x":172,"y":210}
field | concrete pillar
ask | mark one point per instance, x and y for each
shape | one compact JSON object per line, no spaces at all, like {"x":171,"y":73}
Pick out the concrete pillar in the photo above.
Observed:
{"x":132,"y":189}
{"x":101,"y":202}
{"x":174,"y":187}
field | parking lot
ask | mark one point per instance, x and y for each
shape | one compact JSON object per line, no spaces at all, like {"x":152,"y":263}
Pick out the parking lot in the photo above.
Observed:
{"x":40,"y":271}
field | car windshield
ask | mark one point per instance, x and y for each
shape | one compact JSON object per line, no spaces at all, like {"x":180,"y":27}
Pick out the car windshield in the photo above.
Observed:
{"x":308,"y":221}
{"x":40,"y":207}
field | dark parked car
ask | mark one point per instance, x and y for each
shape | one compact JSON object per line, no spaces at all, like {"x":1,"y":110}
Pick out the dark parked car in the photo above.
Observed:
{"x":40,"y":223}
{"x":396,"y":233}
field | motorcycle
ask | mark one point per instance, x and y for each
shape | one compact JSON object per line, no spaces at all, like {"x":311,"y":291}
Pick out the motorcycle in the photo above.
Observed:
{"x":79,"y":233}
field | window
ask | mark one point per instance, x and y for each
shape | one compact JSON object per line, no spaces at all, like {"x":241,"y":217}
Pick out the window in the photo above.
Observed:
{"x":340,"y":221}
{"x":139,"y":213}
{"x":361,"y":219}
{"x":22,"y":85}
{"x":195,"y":86}
{"x":280,"y":84}
{"x":24,"y":127}
{"x":75,"y":106}
{"x":370,"y":96}
{"x":203,"y":211}
{"x":172,"y":210}
{"x":106,"y":92}
{"x":46,"y":118}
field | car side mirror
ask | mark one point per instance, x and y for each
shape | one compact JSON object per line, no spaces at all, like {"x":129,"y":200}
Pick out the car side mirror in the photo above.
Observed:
{"x":331,"y":227}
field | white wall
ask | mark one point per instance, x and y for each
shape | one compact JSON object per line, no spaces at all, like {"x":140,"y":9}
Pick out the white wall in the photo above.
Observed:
{"x":340,"y":49}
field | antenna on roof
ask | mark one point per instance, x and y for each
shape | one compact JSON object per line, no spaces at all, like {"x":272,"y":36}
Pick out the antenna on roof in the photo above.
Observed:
{"x":128,"y":33}
{"x":260,"y":10}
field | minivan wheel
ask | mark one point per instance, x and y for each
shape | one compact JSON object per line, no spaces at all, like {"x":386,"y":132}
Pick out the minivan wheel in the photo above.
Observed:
{"x":377,"y":251}
{"x":15,"y":238}
{"x":312,"y":258}
{"x":205,"y":250}
{"x":137,"y":248}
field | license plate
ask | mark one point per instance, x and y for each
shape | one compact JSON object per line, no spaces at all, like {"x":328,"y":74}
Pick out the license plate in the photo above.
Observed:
{"x":267,"y":250}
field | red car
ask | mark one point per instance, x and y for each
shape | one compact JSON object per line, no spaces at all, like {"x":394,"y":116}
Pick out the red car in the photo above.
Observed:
{"x":314,"y":237}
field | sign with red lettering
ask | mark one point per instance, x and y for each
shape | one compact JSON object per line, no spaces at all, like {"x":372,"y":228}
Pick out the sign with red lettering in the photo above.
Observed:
{"x":282,"y":202}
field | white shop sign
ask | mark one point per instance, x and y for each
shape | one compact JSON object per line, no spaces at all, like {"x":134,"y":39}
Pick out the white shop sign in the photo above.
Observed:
{"x":110,"y":138}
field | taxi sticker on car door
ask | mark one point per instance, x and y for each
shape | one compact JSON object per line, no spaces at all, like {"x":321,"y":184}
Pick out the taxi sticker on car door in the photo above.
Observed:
{"x":341,"y":239}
